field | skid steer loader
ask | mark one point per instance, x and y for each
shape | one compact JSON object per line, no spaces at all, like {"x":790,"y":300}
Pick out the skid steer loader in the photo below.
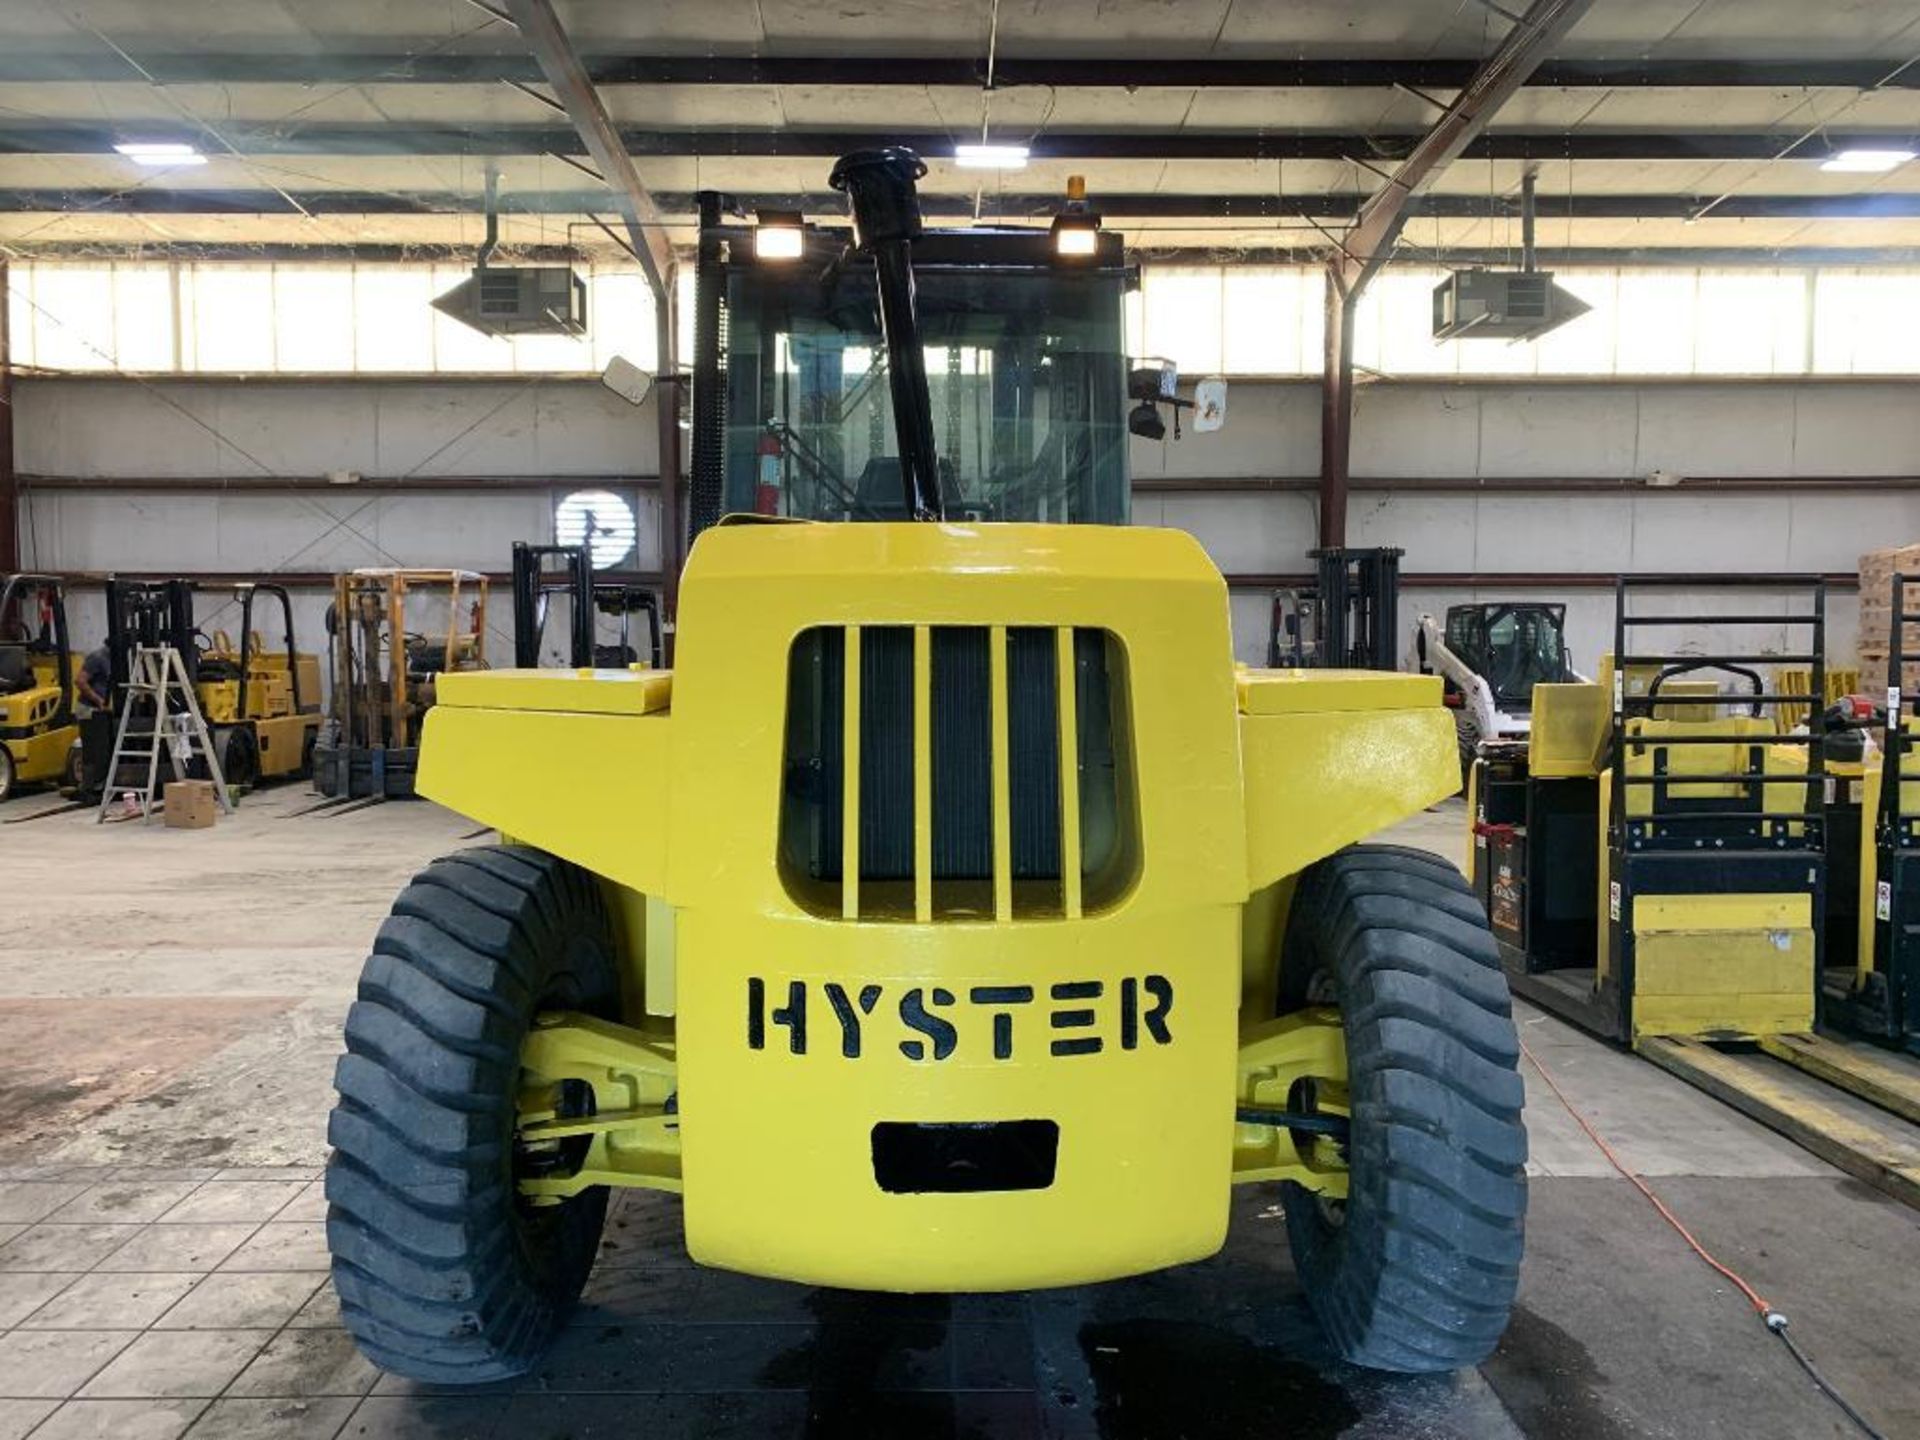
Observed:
{"x":953,"y":915}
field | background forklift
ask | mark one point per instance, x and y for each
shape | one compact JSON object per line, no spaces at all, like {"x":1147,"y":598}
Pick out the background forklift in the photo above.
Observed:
{"x":385,"y":672}
{"x":261,"y":704}
{"x":1347,"y":619}
{"x":38,"y":730}
{"x":589,"y":599}
{"x":1655,"y":864}
{"x":139,"y":612}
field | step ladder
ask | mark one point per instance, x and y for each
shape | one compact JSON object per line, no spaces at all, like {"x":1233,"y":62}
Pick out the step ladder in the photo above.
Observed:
{"x":172,"y":709}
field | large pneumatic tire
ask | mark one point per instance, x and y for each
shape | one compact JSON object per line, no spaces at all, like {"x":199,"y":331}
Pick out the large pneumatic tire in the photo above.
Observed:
{"x":7,"y":773}
{"x":444,"y":1273}
{"x":1416,"y":1270}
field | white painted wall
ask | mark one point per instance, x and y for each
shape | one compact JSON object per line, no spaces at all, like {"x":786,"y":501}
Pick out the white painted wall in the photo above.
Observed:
{"x":571,"y":429}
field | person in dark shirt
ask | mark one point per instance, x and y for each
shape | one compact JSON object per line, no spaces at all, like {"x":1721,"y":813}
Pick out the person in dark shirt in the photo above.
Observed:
{"x":96,"y":679}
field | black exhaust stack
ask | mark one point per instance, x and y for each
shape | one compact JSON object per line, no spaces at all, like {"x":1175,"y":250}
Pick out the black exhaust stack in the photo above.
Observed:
{"x":879,"y":186}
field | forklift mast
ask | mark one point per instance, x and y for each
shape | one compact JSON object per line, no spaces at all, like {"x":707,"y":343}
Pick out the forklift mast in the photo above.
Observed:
{"x":148,"y":612}
{"x":534,"y":584}
{"x":1347,"y":619}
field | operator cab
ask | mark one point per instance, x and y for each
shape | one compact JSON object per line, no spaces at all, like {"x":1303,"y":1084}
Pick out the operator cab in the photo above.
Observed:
{"x":1025,"y":360}
{"x":1512,"y":647}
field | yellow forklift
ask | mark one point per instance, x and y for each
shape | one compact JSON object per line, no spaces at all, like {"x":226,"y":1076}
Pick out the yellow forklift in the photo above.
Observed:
{"x":261,"y":703}
{"x":954,"y":915}
{"x":38,"y":670}
{"x":1656,"y":863}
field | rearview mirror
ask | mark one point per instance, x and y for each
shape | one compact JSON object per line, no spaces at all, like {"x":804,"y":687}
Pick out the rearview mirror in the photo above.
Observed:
{"x":1209,"y":405}
{"x":627,"y":380}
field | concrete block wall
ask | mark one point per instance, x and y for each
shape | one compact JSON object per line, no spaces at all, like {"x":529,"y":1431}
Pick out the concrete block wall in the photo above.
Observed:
{"x":573,"y":431}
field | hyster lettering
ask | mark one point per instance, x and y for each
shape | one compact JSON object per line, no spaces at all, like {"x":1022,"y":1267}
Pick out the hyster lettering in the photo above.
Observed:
{"x":935,"y":1023}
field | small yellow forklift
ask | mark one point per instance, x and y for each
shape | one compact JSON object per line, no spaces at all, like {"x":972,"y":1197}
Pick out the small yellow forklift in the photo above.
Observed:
{"x":954,"y":915}
{"x":261,"y":704}
{"x":38,"y":674}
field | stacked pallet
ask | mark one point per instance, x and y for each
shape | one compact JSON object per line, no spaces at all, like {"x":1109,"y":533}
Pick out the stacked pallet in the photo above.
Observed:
{"x":1877,"y":569}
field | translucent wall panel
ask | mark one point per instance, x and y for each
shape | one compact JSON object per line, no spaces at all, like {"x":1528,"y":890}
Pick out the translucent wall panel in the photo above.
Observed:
{"x":1264,"y":326}
{"x":231,"y":317}
{"x":393,"y":318}
{"x":1866,"y":322}
{"x":1750,"y":322}
{"x":621,"y":313}
{"x":143,"y":328}
{"x":20,"y":314}
{"x":313,"y":318}
{"x":72,"y":318}
{"x":1393,"y":333}
{"x":1655,"y":328}
{"x":1183,"y":316}
{"x":219,"y":317}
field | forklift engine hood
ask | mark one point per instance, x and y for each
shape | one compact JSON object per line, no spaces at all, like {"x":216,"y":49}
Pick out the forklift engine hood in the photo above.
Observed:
{"x":940,"y":846}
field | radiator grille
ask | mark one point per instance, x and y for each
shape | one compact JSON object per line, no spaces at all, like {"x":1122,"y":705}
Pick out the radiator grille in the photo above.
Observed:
{"x":976,"y":792}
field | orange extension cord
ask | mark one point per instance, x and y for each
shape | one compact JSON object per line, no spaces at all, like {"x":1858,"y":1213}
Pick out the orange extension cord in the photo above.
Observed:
{"x":1773,"y":1319}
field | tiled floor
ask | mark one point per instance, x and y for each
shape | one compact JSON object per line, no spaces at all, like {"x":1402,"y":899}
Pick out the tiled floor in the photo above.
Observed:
{"x":165,"y":1303}
{"x":154,"y":1303}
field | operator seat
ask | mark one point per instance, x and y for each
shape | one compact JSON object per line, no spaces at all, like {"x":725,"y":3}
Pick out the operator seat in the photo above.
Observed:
{"x":16,"y":670}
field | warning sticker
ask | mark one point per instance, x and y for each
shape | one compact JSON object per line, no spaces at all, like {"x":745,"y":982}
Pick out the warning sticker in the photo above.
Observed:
{"x":1504,"y":913}
{"x":1613,"y":900}
{"x":1883,"y":900}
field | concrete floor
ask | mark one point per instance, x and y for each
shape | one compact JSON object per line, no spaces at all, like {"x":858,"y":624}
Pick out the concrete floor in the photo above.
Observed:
{"x":169,"y":1011}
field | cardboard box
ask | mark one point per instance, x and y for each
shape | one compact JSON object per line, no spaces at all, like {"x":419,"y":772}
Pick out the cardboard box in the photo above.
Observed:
{"x":190,"y":804}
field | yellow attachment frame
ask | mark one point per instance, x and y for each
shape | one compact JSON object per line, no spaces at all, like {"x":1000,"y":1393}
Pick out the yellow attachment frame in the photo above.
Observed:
{"x":635,"y":1136}
{"x":1274,"y":1057}
{"x":636,"y":1139}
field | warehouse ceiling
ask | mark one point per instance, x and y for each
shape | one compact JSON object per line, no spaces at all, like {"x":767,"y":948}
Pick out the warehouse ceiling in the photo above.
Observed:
{"x":1205,"y":126}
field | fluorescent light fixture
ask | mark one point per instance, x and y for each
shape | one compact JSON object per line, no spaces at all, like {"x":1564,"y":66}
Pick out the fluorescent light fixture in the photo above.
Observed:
{"x":143,"y":152}
{"x":990,"y":157}
{"x":779,"y":235}
{"x":1866,"y":162}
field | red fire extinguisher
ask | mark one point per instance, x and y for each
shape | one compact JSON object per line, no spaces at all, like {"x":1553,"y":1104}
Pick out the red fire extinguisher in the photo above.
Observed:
{"x":766,"y":493}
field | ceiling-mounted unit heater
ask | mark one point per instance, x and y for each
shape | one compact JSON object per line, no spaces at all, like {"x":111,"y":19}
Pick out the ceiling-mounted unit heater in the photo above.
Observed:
{"x":515,"y":299}
{"x":1504,"y":304}
{"x":519,"y":300}
{"x":1501,"y":304}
